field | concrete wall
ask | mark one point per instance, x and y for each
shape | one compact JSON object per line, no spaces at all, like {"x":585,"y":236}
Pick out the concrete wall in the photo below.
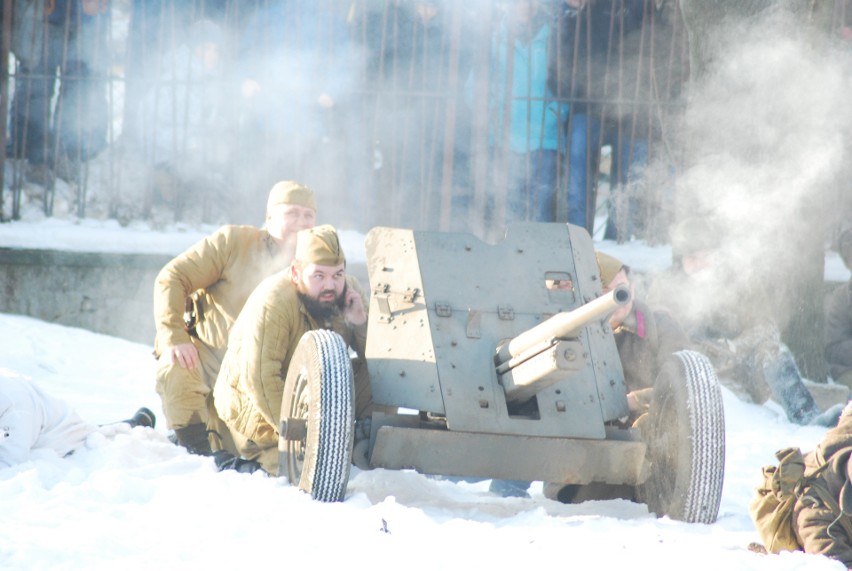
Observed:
{"x":104,"y":293}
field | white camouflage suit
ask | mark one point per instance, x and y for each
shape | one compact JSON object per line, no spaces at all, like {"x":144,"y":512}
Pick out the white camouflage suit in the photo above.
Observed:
{"x":32,"y":420}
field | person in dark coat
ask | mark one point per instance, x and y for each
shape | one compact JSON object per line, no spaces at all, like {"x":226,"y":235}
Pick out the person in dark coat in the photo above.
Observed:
{"x":65,"y":41}
{"x":838,"y":319}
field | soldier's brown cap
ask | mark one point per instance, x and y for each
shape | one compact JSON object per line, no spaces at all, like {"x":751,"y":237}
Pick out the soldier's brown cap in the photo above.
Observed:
{"x":319,"y":245}
{"x":694,"y":234}
{"x":608,"y":266}
{"x":291,"y":192}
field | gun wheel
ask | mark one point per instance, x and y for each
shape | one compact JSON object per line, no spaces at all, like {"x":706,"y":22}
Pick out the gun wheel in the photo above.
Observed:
{"x":319,"y":390}
{"x":685,"y":433}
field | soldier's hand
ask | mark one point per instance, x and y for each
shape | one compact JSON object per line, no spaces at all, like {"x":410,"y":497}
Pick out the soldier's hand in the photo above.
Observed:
{"x":632,"y":402}
{"x":353,"y":308}
{"x":185,"y":355}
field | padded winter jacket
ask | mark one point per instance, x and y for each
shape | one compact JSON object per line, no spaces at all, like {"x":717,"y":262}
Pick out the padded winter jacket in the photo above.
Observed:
{"x":219,"y":272}
{"x":250,"y":384}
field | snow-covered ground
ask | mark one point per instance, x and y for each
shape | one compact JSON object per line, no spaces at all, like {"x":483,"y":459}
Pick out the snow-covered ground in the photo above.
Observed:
{"x":132,"y":500}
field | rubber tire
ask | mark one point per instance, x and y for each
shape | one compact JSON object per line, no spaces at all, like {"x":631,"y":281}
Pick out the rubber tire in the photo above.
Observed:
{"x":685,"y":433}
{"x":320,"y":389}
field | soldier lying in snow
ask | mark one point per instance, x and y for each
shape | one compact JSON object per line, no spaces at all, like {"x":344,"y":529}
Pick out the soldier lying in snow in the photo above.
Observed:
{"x":804,"y":503}
{"x":32,"y":420}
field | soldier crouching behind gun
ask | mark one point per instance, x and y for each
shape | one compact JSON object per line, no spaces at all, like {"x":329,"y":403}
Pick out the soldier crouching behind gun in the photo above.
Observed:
{"x":312,"y":294}
{"x":645,"y":339}
{"x":727,"y":318}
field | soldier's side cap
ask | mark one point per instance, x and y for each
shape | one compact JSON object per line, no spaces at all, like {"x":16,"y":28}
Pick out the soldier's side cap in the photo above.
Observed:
{"x":319,"y":245}
{"x":608,"y":266}
{"x":291,"y":192}
{"x":694,"y":234}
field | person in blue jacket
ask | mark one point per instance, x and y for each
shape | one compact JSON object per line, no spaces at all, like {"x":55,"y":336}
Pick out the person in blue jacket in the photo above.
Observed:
{"x":526,"y":120}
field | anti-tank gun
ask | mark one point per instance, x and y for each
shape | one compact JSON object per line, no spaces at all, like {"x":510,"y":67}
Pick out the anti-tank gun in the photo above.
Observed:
{"x":543,"y":355}
{"x":497,"y":361}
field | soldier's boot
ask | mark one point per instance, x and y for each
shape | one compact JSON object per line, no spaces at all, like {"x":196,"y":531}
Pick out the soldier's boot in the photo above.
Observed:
{"x":782,"y":375}
{"x":829,"y":418}
{"x":227,"y":461}
{"x":143,"y":417}
{"x":193,"y":437}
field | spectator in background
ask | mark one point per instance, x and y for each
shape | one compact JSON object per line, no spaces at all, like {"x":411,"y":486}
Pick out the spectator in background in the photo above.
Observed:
{"x":643,"y":73}
{"x":584,"y":36}
{"x":298,"y":69}
{"x":65,"y":39}
{"x":603,"y":71}
{"x":409,"y":60}
{"x":845,"y":30}
{"x":183,"y":129}
{"x":838,"y":318}
{"x":527,"y":121}
{"x":157,"y":27}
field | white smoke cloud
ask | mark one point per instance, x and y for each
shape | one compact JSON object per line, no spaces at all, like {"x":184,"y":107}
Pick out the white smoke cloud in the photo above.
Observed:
{"x":766,"y":134}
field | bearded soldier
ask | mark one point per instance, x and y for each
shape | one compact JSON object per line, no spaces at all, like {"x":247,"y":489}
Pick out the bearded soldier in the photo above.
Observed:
{"x":312,"y":294}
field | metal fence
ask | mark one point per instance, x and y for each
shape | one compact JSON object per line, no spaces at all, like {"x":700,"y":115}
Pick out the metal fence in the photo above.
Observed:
{"x":433,"y":115}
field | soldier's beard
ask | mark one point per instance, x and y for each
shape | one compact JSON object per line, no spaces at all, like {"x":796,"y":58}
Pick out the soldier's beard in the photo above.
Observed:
{"x":322,"y":310}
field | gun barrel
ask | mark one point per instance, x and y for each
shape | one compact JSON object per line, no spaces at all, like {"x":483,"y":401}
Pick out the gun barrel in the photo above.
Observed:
{"x":565,"y":325}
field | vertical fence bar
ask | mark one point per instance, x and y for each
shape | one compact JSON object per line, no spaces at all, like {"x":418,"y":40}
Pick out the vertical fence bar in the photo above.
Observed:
{"x":4,"y":94}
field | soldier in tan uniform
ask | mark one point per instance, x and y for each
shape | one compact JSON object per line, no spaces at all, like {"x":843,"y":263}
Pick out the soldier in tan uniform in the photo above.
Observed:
{"x":210,"y":282}
{"x":646,"y":337}
{"x":312,"y":294}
